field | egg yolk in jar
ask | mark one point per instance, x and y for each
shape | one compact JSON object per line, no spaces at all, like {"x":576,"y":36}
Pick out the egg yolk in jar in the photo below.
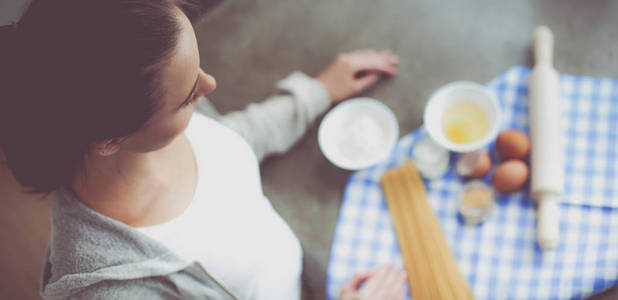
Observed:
{"x":464,"y":122}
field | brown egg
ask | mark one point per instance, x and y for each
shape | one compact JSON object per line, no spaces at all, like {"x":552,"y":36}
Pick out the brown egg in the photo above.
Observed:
{"x":510,"y":176}
{"x":473,"y":165}
{"x":513,"y":143}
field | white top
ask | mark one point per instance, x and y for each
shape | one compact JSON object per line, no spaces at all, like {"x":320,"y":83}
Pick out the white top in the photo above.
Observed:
{"x":230,"y":227}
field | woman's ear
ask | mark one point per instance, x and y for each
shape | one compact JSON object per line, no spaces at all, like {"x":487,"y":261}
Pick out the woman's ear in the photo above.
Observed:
{"x":108,"y":147}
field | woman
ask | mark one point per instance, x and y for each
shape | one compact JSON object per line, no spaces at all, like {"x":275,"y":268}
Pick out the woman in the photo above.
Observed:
{"x":154,"y":201}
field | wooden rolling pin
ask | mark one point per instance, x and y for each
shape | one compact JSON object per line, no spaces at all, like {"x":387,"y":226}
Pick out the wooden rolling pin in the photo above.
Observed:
{"x":547,"y":154}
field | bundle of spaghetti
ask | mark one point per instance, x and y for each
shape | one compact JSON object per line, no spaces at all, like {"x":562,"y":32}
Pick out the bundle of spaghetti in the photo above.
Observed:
{"x":431,"y":266}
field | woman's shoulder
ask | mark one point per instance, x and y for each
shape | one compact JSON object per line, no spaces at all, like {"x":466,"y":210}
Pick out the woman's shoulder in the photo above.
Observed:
{"x":143,"y":288}
{"x":209,"y":135}
{"x":201,"y":125}
{"x":179,"y":285}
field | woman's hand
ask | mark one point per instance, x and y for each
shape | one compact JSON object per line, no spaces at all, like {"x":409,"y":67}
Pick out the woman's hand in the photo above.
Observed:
{"x":383,"y":283}
{"x":354,"y":72}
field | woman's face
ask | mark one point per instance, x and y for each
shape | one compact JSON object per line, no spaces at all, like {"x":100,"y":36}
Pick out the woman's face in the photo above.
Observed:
{"x":183,"y":83}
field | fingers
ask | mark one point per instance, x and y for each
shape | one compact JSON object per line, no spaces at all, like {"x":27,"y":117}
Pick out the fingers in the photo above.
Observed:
{"x":351,"y":73}
{"x":387,"y":283}
{"x":375,"y":285}
{"x":392,"y":276}
{"x":399,"y":290}
{"x":400,"y":293}
{"x":372,"y":64}
{"x":355,"y":281}
{"x":366,"y":81}
{"x":371,"y":60}
{"x":392,"y":282}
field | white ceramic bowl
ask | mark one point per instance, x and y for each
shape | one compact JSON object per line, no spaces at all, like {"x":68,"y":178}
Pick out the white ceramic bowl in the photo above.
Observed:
{"x":358,"y":133}
{"x":461,"y":91}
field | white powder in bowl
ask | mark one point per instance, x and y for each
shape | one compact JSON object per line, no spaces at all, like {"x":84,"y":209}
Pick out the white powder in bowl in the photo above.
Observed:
{"x":362,"y":137}
{"x":358,"y":133}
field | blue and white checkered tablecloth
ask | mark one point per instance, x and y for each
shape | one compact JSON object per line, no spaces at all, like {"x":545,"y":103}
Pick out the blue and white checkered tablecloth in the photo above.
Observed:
{"x":500,"y":257}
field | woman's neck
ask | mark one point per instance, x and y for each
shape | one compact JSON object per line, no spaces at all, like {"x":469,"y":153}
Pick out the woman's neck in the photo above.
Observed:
{"x":123,"y":186}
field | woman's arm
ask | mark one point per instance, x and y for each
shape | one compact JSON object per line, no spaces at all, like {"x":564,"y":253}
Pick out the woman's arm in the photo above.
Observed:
{"x":276,"y":124}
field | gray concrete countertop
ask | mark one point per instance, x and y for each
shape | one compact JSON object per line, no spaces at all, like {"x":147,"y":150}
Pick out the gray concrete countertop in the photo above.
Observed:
{"x":249,"y":45}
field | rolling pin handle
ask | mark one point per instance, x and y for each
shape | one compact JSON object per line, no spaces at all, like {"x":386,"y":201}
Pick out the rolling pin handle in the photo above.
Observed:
{"x":543,"y":46}
{"x":548,"y":229}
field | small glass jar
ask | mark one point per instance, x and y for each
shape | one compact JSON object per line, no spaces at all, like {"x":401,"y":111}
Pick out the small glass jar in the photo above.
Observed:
{"x":476,"y":201}
{"x":431,"y":159}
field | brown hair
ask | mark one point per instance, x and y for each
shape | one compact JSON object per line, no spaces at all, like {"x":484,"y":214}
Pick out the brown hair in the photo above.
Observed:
{"x":76,"y":72}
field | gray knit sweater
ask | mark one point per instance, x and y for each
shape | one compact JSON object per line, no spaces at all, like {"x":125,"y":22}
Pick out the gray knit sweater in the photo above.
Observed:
{"x":91,"y":256}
